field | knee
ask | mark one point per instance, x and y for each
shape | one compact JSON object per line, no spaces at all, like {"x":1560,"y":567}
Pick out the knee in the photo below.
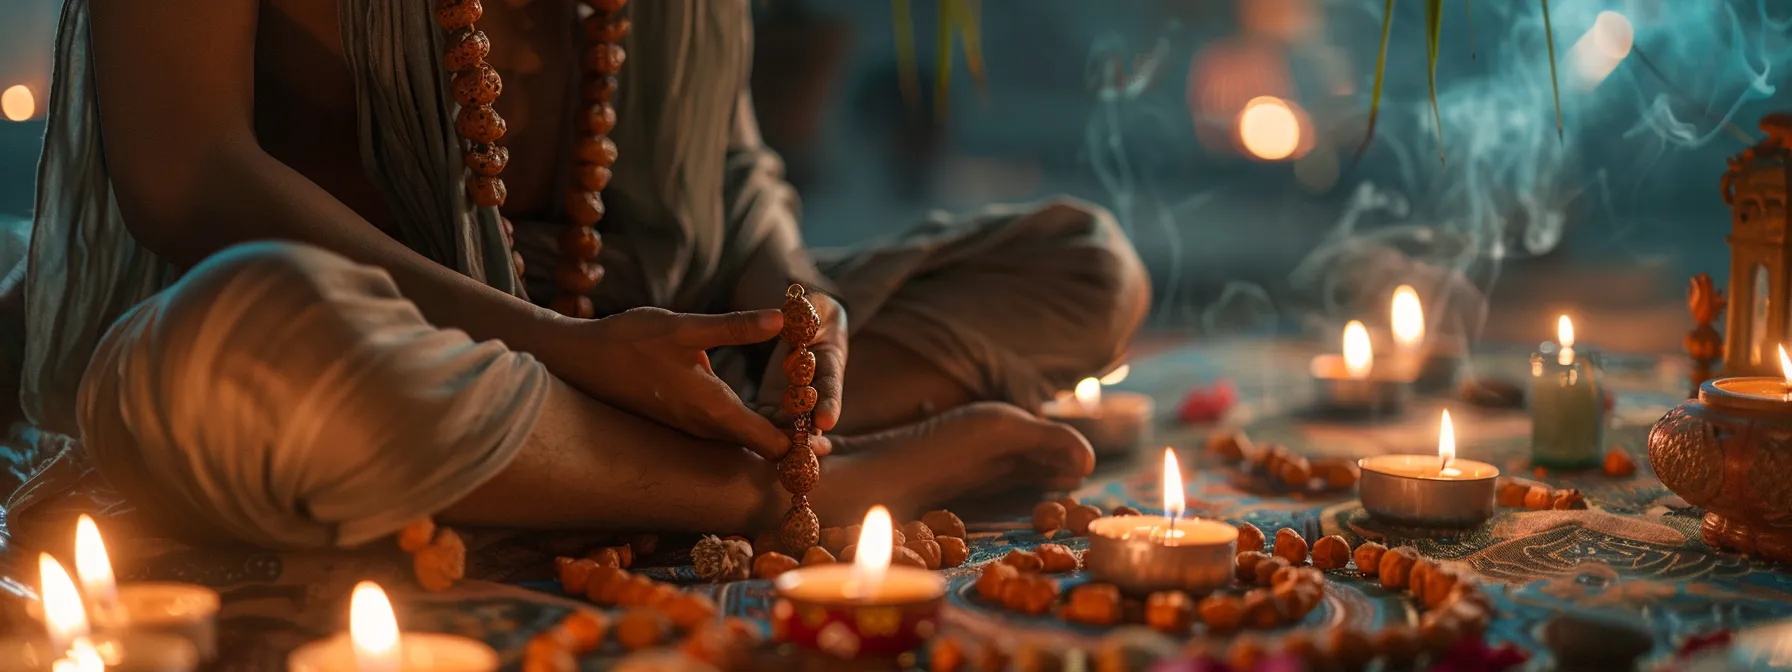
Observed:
{"x":1118,"y":295}
{"x":187,"y":397}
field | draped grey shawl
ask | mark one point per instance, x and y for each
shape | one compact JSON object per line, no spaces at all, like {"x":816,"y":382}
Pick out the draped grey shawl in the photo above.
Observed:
{"x":676,"y":132}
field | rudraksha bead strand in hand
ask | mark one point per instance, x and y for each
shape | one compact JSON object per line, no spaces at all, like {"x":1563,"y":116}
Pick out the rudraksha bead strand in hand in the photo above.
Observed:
{"x":799,"y":471}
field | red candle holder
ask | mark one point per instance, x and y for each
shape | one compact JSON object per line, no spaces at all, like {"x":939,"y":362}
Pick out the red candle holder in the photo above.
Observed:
{"x":812,"y":613}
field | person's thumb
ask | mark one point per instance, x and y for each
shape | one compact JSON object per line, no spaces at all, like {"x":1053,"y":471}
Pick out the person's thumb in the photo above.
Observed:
{"x":740,"y":328}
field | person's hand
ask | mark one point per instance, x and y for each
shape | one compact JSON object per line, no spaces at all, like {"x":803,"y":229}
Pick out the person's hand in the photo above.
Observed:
{"x":829,"y":347}
{"x":652,"y":362}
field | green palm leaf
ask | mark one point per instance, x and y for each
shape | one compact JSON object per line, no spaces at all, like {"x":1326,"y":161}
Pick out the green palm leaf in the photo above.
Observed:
{"x":942,"y":56}
{"x":1434,"y":21}
{"x":1381,"y":67}
{"x":1549,"y":37}
{"x":903,"y":20}
{"x":970,"y":29}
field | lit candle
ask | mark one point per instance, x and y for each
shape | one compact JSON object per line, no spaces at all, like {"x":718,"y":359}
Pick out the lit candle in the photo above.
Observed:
{"x":1567,"y":404}
{"x":1359,"y":355}
{"x":64,"y":618}
{"x":374,"y":643}
{"x":1438,"y":490}
{"x":1116,"y":422}
{"x":1407,"y":317}
{"x":1144,"y":554}
{"x":68,"y":644}
{"x":179,"y":609}
{"x":1118,"y":375}
{"x":868,"y":608}
{"x":82,"y":657}
{"x":1565,"y":339}
{"x":1351,"y":383}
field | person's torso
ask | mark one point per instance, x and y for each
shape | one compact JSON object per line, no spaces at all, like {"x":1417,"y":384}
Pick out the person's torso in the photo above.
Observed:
{"x":305,"y":107}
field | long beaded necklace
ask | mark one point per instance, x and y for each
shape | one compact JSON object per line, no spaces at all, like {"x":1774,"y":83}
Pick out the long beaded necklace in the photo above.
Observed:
{"x":476,"y":86}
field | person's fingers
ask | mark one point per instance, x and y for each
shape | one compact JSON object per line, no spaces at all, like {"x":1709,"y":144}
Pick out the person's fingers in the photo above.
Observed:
{"x":1064,"y":449}
{"x":772,"y":384}
{"x":740,"y":328}
{"x":830,"y":383}
{"x":726,"y":418}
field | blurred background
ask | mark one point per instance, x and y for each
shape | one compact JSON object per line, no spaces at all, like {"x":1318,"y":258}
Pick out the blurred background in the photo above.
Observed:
{"x":1224,"y":135}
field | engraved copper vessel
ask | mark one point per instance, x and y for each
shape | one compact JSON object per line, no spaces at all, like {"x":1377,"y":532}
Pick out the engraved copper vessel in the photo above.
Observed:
{"x":1730,"y":452}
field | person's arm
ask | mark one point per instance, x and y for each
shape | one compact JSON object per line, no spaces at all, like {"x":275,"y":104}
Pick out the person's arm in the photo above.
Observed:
{"x":176,"y":100}
{"x":756,"y":188}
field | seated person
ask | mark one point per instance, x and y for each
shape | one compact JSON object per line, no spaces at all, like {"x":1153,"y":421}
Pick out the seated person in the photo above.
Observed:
{"x":267,"y":310}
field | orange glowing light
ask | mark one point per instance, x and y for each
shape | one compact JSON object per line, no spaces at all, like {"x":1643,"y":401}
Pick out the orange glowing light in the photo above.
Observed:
{"x":1408,"y":317}
{"x":64,"y":617}
{"x":1117,"y":376}
{"x":1269,"y":128}
{"x":92,"y":565}
{"x":872,"y":561}
{"x":1786,"y":366}
{"x":1174,"y":502}
{"x":1565,"y":336}
{"x":373,"y":629}
{"x":1088,"y":394}
{"x":1359,"y":356}
{"x":1446,"y":445}
{"x":17,"y":103}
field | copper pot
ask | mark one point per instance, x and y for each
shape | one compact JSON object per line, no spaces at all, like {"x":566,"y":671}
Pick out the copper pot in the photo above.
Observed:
{"x":1730,"y":452}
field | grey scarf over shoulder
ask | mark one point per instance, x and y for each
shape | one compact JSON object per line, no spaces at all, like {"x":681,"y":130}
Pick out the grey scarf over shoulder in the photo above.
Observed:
{"x":86,"y":270}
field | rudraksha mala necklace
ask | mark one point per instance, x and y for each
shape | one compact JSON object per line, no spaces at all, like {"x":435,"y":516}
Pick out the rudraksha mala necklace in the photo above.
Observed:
{"x":476,"y":86}
{"x":799,"y":471}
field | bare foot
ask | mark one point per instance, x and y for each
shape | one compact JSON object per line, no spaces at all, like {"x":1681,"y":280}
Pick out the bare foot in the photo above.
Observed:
{"x":980,"y":448}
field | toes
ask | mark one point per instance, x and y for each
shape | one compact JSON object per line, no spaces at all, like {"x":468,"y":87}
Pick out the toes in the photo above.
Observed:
{"x":1068,"y":447}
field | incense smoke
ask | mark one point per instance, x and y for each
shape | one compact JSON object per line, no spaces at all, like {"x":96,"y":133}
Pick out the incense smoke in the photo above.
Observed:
{"x":1510,"y":187}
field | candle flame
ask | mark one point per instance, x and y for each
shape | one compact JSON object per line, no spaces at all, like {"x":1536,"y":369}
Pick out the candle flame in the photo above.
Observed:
{"x":1786,"y":366}
{"x":1174,"y":503}
{"x":373,"y":629}
{"x":1088,"y":393}
{"x":1407,"y":317}
{"x":1565,"y":332}
{"x":1359,"y":356}
{"x":82,"y":657}
{"x":92,"y":564}
{"x":1446,"y":441}
{"x":1116,"y":376}
{"x":64,"y":617}
{"x":872,"y":560}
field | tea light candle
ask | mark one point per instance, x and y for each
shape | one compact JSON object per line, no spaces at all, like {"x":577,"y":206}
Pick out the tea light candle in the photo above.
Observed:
{"x":1760,"y":393}
{"x":180,"y":609}
{"x":866,"y":609}
{"x":1567,"y":406}
{"x":374,"y":643}
{"x":1115,"y":422}
{"x":68,"y":645}
{"x":1431,"y":362}
{"x":1145,"y":554}
{"x":1429,"y":490}
{"x":1351,"y":383}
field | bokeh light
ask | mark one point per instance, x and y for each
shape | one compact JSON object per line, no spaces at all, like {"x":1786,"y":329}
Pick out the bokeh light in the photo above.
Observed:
{"x":17,"y":103}
{"x":1598,"y":52}
{"x":1269,"y":128}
